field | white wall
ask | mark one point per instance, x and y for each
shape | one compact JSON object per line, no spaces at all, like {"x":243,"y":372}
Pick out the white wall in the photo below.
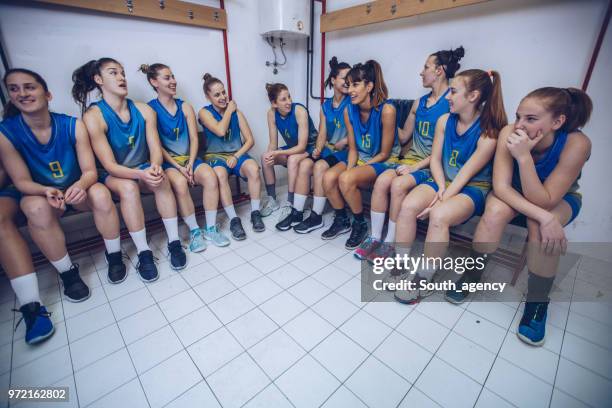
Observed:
{"x":532,"y":43}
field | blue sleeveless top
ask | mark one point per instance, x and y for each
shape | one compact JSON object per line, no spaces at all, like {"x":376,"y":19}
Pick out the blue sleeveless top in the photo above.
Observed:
{"x":172,"y":129}
{"x":229,"y":143}
{"x":54,"y":164}
{"x":368,"y":136}
{"x":458,"y":149}
{"x":546,"y":163}
{"x":288,"y":128}
{"x":334,"y":119}
{"x":425,"y":125}
{"x":127,"y":140}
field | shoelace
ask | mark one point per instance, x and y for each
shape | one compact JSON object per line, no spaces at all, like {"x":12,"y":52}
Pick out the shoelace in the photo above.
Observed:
{"x":284,"y":212}
{"x":44,"y":314}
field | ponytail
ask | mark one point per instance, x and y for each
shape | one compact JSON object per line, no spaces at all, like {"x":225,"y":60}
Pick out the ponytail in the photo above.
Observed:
{"x":488,"y":84}
{"x":83,"y":80}
{"x":152,"y":71}
{"x":370,"y":72}
{"x":449,"y":60}
{"x":11,"y":110}
{"x":574,"y":103}
{"x":334,"y":70}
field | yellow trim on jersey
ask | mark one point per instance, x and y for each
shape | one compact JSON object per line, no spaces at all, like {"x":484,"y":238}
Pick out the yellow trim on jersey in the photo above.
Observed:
{"x":408,"y":160}
{"x":217,"y":156}
{"x":181,"y":160}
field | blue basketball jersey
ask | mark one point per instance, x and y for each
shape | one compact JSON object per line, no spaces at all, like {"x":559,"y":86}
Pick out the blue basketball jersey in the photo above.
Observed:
{"x":172,"y":129}
{"x":546,"y":163}
{"x":334,"y":119}
{"x":54,"y":164}
{"x":229,"y":143}
{"x":425,"y":125}
{"x":288,"y":128}
{"x":368,"y":136}
{"x":458,"y":149}
{"x":127,"y":140}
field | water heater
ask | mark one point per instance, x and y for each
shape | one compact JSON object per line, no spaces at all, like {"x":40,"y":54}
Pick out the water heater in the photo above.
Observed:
{"x":288,"y":19}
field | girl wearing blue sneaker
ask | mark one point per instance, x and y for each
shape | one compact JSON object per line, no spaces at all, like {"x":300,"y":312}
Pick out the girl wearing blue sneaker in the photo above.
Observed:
{"x":461,"y":166}
{"x":16,"y":261}
{"x":178,"y":132}
{"x":229,"y":138}
{"x":49,"y":158}
{"x":538,"y":162}
{"x":124,"y":137}
{"x":295,"y":126}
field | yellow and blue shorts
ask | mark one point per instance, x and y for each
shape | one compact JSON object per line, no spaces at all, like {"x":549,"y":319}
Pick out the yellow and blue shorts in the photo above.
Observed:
{"x":103,"y":174}
{"x":220,"y":160}
{"x":182,"y":160}
{"x":10,"y":191}
{"x":419,"y":176}
{"x":476,"y":191}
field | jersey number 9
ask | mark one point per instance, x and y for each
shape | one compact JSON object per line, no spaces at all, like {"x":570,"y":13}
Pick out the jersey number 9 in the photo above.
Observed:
{"x":56,"y":169}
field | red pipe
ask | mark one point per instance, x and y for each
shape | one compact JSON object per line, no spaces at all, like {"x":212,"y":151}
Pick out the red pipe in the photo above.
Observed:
{"x":322,"y":56}
{"x":600,"y":38}
{"x":226,"y":52}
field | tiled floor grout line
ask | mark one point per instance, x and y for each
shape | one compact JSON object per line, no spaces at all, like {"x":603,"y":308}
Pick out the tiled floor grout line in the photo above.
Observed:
{"x":10,"y":373}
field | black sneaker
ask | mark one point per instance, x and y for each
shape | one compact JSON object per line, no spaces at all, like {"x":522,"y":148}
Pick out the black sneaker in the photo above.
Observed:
{"x":313,"y":222}
{"x":236,"y":229}
{"x":146,"y":267}
{"x":258,"y":225}
{"x":359,"y":232}
{"x":458,"y":296}
{"x":341,"y":225}
{"x":294,"y":218}
{"x":75,"y":289}
{"x":178,"y":258}
{"x":39,"y":326}
{"x":116,"y":269}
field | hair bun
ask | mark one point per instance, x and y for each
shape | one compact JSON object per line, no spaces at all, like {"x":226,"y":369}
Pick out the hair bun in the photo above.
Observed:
{"x":269,"y":86}
{"x":206,"y":76}
{"x":333,"y":62}
{"x":144,"y":68}
{"x":458,"y":53}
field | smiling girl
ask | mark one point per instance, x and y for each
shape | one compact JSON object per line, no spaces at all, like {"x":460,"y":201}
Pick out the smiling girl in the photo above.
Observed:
{"x":538,"y":162}
{"x":178,"y":131}
{"x":125,"y":139}
{"x":463,"y":146}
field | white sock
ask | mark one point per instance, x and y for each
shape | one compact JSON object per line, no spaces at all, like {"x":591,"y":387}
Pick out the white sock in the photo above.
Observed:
{"x":26,"y":288}
{"x":298,"y":202}
{"x":211,"y":218}
{"x":191,"y":222}
{"x":427,"y":273}
{"x":255,"y":204}
{"x":62,"y":265}
{"x":230,"y":211}
{"x":140,"y":240}
{"x":171,"y":225}
{"x":112,"y":245}
{"x":318,"y":204}
{"x":378,"y":221}
{"x":390,"y":232}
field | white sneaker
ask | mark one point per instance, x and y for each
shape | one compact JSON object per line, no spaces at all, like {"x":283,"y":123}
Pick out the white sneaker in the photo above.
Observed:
{"x":411,"y":297}
{"x":269,"y":207}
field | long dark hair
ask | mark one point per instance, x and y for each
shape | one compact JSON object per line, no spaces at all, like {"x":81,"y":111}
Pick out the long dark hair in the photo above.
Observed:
{"x":334,"y":70}
{"x":83,"y":80}
{"x":152,"y":71}
{"x":449,"y":60}
{"x":370,"y":72}
{"x":488,"y":84}
{"x":574,"y":103}
{"x":11,"y":110}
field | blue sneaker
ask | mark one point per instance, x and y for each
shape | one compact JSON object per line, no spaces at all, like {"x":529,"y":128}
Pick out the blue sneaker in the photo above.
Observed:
{"x":197,"y":242}
{"x":146,"y":267}
{"x":38,"y":325}
{"x":213,"y":234}
{"x":532,"y":327}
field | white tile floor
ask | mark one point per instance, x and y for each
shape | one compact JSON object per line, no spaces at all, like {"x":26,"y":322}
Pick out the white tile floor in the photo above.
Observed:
{"x":277,"y":321}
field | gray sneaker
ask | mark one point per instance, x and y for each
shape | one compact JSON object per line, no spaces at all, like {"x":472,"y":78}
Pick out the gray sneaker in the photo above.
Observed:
{"x":410,"y":297}
{"x":269,"y":207}
{"x":394,"y":277}
{"x":216,"y":237}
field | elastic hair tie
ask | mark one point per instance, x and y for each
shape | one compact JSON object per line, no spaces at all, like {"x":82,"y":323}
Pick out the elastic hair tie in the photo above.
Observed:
{"x":490,"y":74}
